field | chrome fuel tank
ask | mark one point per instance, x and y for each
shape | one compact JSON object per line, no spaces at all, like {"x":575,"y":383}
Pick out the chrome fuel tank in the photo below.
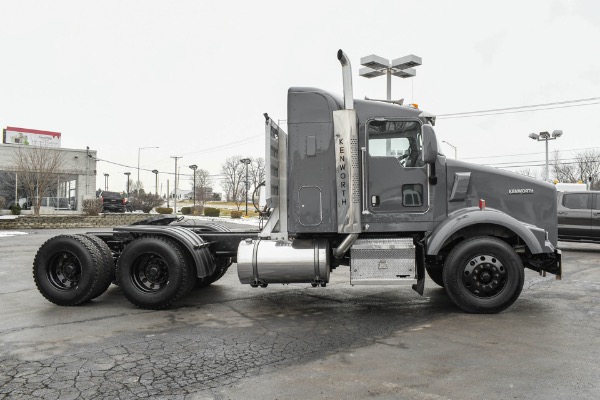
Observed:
{"x":261,"y":262}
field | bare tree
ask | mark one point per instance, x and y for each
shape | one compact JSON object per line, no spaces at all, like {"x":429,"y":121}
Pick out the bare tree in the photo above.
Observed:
{"x":588,"y":164}
{"x":146,"y":201}
{"x":585,"y":167}
{"x":256,"y":172}
{"x":37,"y":168}
{"x":203,"y":186}
{"x":233,"y":182}
{"x":136,"y":186}
{"x":564,"y":172}
{"x":531,"y":172}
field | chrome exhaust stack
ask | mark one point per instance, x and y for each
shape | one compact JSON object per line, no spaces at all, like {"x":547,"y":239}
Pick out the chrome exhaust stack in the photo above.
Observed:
{"x":345,"y":131}
{"x":347,"y":79}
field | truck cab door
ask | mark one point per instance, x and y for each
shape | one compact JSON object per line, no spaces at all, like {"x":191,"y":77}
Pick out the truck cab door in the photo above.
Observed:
{"x":397,"y":179}
{"x":596,"y":217}
{"x":575,"y":216}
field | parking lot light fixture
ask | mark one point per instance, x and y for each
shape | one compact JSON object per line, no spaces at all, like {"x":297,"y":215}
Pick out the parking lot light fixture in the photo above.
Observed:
{"x":127,"y":174}
{"x":454,"y":147}
{"x":402,"y":67}
{"x":544,"y":137}
{"x":194,"y":168}
{"x":155,"y":172}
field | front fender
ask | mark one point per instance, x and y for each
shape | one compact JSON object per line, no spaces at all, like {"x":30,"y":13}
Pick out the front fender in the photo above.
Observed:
{"x":534,"y":237}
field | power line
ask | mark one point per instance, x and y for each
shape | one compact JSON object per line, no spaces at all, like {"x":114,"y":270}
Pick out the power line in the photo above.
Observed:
{"x":525,"y":154}
{"x":494,"y":110}
{"x":149,"y":170}
{"x":520,"y":111}
{"x":235,"y":143}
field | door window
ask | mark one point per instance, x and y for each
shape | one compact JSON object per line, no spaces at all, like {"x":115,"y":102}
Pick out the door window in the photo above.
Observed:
{"x":399,"y":139}
{"x":412,"y":195}
{"x":577,"y":201}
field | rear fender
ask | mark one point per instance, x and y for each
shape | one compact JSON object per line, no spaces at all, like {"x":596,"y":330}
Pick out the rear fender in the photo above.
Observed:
{"x":191,"y":243}
{"x":534,"y":237}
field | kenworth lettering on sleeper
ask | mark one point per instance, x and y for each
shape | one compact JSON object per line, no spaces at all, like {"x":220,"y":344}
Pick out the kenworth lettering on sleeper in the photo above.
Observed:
{"x":342,"y":172}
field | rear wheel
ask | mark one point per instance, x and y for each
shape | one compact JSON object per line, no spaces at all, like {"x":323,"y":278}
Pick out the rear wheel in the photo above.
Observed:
{"x":154,"y":273}
{"x":106,"y":267}
{"x":65,"y":269}
{"x":483,"y":275}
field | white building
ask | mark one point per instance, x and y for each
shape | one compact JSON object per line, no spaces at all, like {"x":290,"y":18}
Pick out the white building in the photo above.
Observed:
{"x":75,"y":180}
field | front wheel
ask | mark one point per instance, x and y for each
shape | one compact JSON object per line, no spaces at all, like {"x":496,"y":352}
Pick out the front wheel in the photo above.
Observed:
{"x":483,"y":275}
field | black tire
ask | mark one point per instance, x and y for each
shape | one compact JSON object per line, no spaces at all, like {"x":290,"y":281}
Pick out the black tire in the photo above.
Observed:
{"x":436,"y":275}
{"x":65,"y":269}
{"x":154,"y":272}
{"x":483,"y":275}
{"x":222,"y":265}
{"x":106,"y":268}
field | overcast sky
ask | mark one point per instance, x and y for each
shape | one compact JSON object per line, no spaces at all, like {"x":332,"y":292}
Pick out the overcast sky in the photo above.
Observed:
{"x":195,"y":77}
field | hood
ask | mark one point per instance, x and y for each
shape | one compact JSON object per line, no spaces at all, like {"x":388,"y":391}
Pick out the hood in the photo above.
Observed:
{"x":526,"y":199}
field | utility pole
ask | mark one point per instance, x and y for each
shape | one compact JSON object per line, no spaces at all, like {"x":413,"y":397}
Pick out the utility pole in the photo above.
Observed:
{"x":175,"y":191}
{"x":87,"y":169}
{"x":246,"y":161}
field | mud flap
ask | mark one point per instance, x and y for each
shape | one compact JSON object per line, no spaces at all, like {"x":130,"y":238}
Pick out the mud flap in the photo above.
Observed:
{"x":420,"y":258}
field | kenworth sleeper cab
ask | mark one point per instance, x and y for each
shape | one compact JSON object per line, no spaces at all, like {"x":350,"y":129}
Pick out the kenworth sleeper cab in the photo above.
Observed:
{"x":353,"y":183}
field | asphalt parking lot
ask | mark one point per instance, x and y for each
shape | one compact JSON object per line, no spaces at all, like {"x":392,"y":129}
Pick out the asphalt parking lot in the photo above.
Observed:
{"x":230,"y":341}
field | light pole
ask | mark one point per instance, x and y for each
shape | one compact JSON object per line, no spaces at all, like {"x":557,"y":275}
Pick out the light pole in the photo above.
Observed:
{"x":544,"y":137}
{"x":375,"y":66}
{"x":138,"y":169}
{"x":155,"y":172}
{"x":246,"y":161}
{"x":127,"y":173}
{"x":106,"y":182}
{"x":194,"y":168}
{"x":175,"y":197}
{"x":454,"y":147}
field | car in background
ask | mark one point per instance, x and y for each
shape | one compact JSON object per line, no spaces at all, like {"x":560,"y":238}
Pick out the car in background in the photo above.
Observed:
{"x":112,"y":202}
{"x":579,"y":216}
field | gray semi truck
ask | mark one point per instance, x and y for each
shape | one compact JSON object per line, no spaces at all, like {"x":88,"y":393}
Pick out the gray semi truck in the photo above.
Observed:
{"x":354,"y":183}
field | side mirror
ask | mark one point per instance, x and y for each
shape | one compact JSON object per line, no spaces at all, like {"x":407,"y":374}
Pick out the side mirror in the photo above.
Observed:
{"x":430,"y":148}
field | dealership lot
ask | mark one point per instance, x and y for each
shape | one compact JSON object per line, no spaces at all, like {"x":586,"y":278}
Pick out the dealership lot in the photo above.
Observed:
{"x":232,"y":341}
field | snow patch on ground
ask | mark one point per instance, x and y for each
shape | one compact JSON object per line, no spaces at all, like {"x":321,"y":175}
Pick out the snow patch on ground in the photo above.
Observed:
{"x":11,"y":233}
